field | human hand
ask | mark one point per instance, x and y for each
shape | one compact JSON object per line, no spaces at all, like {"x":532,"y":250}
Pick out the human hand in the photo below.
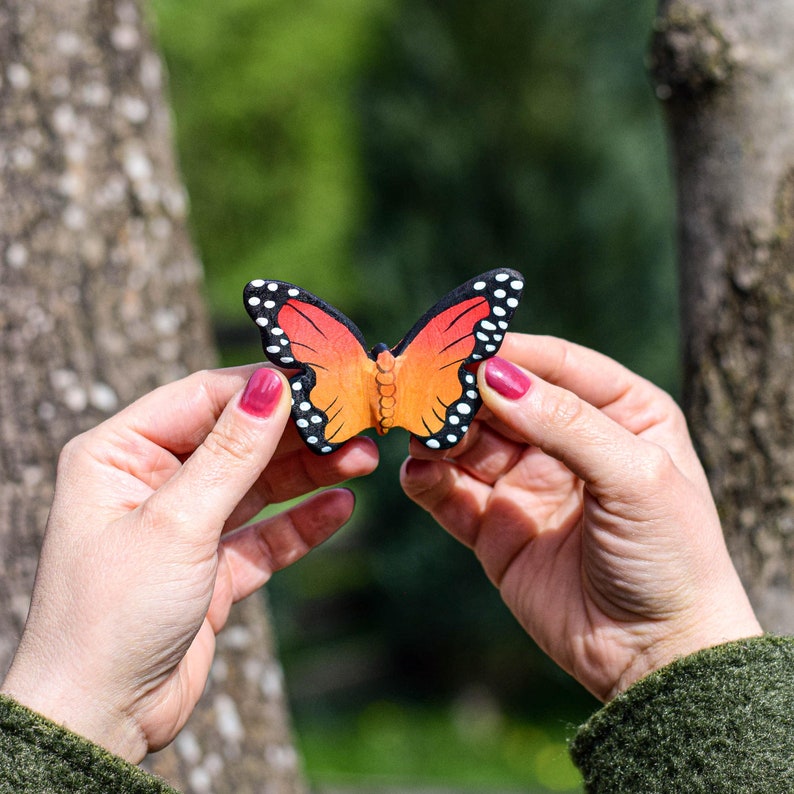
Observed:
{"x":141,"y":561}
{"x":585,"y":502}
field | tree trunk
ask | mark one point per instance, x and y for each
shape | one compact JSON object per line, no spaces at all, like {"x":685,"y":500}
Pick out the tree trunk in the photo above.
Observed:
{"x":100,"y":301}
{"x":725,"y":71}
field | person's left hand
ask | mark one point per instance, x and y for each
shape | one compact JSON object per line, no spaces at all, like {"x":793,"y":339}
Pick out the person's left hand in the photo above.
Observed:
{"x":141,"y":561}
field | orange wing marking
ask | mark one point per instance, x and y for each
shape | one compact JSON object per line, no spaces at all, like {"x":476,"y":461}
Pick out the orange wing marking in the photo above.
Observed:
{"x":430,"y":367}
{"x":343,"y":371}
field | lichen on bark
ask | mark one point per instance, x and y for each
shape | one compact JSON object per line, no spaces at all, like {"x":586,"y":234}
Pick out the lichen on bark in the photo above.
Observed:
{"x":689,"y":56}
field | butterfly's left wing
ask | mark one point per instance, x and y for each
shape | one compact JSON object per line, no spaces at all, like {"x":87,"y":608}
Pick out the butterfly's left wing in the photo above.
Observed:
{"x":330,"y":395}
{"x":437,"y":394}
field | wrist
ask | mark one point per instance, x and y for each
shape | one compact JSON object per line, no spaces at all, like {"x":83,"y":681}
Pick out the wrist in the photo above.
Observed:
{"x":685,"y":641}
{"x":77,"y":709}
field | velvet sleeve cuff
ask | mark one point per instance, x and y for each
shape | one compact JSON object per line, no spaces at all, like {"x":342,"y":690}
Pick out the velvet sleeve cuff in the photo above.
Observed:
{"x":719,"y":720}
{"x":38,"y":756}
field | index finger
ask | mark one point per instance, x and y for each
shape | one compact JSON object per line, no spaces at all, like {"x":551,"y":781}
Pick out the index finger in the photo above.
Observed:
{"x":621,"y":394}
{"x":594,"y":376}
{"x":179,"y":415}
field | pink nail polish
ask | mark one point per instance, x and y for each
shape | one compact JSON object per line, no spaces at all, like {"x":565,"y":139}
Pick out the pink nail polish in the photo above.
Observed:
{"x":262,"y":393}
{"x":506,"y":379}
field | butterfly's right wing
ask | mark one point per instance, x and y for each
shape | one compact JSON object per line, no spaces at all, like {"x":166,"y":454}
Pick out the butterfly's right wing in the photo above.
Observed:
{"x":437,"y":392}
{"x":330,"y":395}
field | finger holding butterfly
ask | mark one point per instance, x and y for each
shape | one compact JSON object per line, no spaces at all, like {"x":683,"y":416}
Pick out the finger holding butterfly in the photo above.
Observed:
{"x":602,"y":537}
{"x":175,"y":428}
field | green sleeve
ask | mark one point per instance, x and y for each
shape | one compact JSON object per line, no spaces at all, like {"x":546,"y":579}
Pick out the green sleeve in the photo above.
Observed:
{"x":719,"y":720}
{"x":38,"y":756}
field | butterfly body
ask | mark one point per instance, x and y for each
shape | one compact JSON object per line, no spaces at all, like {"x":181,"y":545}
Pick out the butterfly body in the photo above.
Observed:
{"x":385,"y":388}
{"x":423,"y":384}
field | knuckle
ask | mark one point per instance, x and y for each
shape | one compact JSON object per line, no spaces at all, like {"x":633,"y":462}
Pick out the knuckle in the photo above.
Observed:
{"x":675,"y":412}
{"x":655,"y":466}
{"x":71,"y":449}
{"x":226,"y":443}
{"x":200,"y":378}
{"x":282,"y":543}
{"x":74,"y":451}
{"x":158,"y":514}
{"x":562,"y":410}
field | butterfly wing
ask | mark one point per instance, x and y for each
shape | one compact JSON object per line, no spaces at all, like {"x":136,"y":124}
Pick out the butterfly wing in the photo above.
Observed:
{"x":330,"y":394}
{"x":437,"y":392}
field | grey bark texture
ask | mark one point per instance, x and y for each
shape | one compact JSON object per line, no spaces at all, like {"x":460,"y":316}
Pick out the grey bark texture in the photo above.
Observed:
{"x":724,"y":70}
{"x":100,"y":301}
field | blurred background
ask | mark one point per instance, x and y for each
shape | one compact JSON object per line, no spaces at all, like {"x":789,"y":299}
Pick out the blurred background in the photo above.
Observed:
{"x":379,"y":153}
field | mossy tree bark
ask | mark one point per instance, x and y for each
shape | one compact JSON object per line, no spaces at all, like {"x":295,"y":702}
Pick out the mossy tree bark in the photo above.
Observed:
{"x":100,"y":301}
{"x":725,"y":70}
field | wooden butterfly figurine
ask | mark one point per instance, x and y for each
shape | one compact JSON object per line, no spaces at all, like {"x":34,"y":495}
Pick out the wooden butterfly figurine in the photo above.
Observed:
{"x":423,"y":384}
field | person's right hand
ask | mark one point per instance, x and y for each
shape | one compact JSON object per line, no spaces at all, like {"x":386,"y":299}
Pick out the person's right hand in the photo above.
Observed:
{"x":586,"y":504}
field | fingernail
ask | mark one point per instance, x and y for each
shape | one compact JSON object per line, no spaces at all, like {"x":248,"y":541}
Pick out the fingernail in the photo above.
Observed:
{"x":262,"y":393}
{"x":506,"y":379}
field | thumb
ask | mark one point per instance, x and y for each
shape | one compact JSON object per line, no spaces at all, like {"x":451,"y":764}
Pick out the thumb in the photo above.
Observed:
{"x":598,"y":450}
{"x":215,"y":478}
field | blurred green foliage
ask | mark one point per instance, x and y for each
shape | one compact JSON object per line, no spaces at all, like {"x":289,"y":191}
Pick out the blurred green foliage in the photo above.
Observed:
{"x":263,"y":93}
{"x":468,"y":747}
{"x":379,"y":153}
